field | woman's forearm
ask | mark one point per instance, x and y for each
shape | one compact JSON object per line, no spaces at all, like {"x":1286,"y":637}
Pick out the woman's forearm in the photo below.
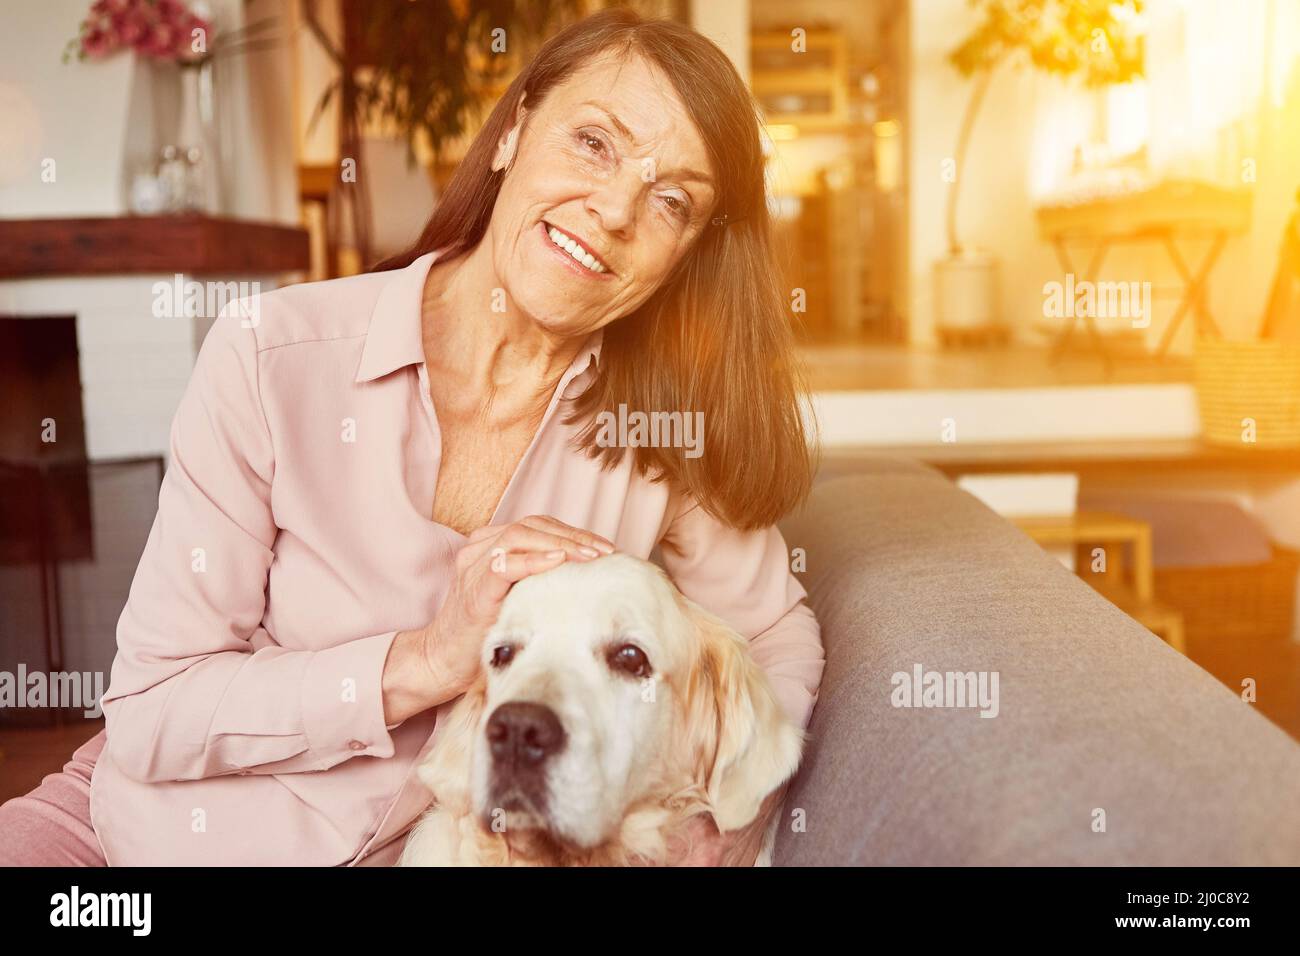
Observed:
{"x":270,"y":711}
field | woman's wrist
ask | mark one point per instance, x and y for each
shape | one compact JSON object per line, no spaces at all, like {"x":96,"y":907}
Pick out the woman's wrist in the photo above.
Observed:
{"x":412,"y":679}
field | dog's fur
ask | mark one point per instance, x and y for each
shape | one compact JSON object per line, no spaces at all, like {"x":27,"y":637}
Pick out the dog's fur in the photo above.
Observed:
{"x":641,"y":755}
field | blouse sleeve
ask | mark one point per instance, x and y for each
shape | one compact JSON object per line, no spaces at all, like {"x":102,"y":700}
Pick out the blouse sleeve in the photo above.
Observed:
{"x":198,"y":687}
{"x":744,"y":577}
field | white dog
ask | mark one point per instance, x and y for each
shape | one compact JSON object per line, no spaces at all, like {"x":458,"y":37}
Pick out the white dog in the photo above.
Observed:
{"x":611,"y":709}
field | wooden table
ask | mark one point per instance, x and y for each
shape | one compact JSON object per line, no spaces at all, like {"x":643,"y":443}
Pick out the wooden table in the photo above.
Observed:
{"x":1164,"y":214}
{"x":1135,"y":596}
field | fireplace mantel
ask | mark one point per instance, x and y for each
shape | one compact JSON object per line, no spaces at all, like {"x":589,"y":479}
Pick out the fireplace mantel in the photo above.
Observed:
{"x":135,"y":245}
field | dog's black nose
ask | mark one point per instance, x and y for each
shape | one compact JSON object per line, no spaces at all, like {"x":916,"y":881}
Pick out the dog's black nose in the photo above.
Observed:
{"x":524,"y":734}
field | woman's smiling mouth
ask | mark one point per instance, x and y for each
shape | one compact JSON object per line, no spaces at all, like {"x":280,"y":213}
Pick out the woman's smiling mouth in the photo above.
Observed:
{"x":577,"y":253}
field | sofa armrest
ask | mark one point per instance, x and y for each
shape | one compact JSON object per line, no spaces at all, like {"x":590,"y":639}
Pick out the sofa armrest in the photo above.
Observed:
{"x":1095,"y":713}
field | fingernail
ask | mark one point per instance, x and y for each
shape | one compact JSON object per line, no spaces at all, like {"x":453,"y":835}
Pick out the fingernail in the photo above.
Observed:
{"x":605,"y":546}
{"x":588,"y":552}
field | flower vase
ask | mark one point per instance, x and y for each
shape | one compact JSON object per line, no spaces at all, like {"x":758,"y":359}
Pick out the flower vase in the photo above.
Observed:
{"x":197,"y":140}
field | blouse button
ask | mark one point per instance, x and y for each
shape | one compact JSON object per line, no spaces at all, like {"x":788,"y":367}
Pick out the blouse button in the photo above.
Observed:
{"x":356,"y":745}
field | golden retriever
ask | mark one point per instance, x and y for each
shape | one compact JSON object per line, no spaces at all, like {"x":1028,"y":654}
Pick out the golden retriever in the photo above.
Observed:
{"x":610,"y":710}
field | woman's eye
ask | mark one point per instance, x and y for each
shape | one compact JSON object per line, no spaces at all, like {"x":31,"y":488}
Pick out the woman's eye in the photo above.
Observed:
{"x":630,"y":659}
{"x":594,"y":143}
{"x":676,"y":206}
{"x":503,"y":655}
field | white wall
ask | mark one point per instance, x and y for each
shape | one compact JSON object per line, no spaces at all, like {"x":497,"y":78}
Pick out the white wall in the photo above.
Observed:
{"x":995,"y":211}
{"x":726,"y":23}
{"x":91,"y":118}
{"x":74,"y":114}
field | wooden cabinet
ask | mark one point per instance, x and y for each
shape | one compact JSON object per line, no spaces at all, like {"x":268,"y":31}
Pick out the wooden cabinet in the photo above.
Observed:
{"x":808,"y":88}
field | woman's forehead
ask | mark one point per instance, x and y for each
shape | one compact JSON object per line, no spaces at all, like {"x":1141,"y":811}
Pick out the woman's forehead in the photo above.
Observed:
{"x":636,"y":94}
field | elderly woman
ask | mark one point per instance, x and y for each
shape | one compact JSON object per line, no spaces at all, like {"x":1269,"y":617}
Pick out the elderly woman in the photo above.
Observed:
{"x":362,"y":468}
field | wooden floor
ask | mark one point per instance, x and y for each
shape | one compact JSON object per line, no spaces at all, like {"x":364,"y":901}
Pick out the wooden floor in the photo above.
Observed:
{"x":863,"y":366}
{"x":27,"y":755}
{"x":1275,"y":665}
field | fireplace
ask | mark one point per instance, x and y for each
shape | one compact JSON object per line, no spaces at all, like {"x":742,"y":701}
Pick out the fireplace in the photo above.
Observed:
{"x":90,"y":378}
{"x":71,"y":530}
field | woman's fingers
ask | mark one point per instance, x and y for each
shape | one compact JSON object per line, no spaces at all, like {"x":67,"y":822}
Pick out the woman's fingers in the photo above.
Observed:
{"x":485,"y":532}
{"x":522,"y":537}
{"x":519,"y":538}
{"x":508,"y":567}
{"x":580,"y":535}
{"x":539,"y":533}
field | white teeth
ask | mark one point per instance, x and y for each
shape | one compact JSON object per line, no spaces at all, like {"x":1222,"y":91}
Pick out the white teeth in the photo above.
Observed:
{"x":575,"y":250}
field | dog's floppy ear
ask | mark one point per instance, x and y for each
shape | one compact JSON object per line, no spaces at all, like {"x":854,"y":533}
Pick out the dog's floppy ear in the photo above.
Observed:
{"x":445,"y":770}
{"x":754,"y":746}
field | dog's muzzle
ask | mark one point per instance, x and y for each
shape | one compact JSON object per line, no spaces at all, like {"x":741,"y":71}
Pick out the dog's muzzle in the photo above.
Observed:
{"x":522,"y":738}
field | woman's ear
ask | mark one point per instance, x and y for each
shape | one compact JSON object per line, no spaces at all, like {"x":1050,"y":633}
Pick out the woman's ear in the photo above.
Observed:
{"x":755,"y":746}
{"x":508,"y":144}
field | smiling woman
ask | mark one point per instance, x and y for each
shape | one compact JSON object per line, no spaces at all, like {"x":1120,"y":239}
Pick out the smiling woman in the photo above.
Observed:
{"x":607,"y":151}
{"x":359,"y":478}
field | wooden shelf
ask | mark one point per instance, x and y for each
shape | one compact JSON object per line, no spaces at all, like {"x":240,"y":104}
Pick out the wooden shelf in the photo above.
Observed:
{"x":135,"y":245}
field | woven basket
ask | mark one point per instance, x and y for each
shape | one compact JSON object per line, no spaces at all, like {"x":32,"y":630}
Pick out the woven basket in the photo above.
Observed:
{"x":1248,"y":602}
{"x":1255,"y":380}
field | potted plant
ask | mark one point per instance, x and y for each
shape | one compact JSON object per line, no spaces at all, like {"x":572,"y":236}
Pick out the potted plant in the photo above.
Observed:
{"x":425,"y":68}
{"x":1095,"y":39}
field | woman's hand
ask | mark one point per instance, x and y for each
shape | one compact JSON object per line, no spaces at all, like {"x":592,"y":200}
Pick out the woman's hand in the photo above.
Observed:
{"x":432,"y":665}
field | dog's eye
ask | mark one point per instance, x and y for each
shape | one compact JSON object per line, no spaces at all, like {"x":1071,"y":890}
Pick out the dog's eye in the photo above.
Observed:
{"x":503,"y":655}
{"x":629,"y":659}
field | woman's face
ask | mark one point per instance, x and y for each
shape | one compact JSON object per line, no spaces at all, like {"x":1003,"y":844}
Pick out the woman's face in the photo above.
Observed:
{"x":611,"y":161}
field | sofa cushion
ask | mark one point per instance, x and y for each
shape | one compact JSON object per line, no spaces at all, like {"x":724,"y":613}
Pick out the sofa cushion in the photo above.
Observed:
{"x":1095,"y":712}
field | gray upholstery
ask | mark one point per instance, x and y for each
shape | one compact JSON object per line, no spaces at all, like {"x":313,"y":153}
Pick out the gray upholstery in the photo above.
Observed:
{"x":1095,"y":711}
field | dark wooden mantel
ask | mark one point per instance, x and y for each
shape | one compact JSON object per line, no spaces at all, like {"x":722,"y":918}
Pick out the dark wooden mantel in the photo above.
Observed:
{"x":133,"y":245}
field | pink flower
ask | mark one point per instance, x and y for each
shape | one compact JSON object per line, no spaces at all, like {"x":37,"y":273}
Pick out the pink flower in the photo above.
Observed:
{"x":159,"y":29}
{"x":172,"y":10}
{"x":160,"y":42}
{"x":128,"y":27}
{"x":96,"y":45}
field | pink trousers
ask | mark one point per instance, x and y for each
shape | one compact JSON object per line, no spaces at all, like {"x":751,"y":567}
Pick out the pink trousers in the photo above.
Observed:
{"x":51,"y":825}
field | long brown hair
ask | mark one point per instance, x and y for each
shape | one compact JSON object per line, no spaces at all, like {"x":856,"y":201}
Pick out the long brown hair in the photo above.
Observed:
{"x":715,"y":337}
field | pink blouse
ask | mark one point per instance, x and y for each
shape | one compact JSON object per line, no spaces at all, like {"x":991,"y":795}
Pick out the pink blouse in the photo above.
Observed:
{"x":294,"y":540}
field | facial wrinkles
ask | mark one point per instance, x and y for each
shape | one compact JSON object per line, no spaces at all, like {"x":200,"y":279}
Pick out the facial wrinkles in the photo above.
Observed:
{"x":643,"y":250}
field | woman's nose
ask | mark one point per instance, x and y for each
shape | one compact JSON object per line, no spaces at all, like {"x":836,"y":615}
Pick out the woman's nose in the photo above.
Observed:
{"x":614,"y":202}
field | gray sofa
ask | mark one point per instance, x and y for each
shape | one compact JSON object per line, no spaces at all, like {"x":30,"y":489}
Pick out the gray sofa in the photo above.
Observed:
{"x":1095,"y":712}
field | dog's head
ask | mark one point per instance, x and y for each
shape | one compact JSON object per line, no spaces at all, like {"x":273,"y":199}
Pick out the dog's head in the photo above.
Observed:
{"x":605,"y":688}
